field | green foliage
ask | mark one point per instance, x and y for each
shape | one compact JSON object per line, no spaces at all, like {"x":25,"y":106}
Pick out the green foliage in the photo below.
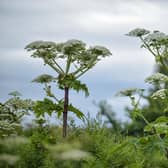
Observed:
{"x":76,"y":111}
{"x":94,"y":144}
{"x":9,"y":150}
{"x":159,"y":126}
{"x":11,"y":113}
{"x":47,"y":106}
{"x":70,"y":82}
{"x":105,"y":109}
{"x":33,"y":154}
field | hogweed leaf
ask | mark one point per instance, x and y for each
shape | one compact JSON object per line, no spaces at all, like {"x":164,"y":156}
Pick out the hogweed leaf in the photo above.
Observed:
{"x":45,"y":106}
{"x":160,"y":125}
{"x":76,"y":111}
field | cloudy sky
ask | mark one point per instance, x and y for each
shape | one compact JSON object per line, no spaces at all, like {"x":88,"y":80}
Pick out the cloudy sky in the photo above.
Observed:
{"x":96,"y":22}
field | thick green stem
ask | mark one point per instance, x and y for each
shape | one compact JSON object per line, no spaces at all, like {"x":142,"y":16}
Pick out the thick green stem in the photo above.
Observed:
{"x":65,"y":112}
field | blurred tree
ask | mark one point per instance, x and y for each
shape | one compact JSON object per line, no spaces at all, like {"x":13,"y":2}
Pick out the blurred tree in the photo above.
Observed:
{"x":105,"y":109}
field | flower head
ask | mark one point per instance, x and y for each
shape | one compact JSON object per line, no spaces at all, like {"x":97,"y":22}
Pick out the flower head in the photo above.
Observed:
{"x":160,"y":94}
{"x":15,"y":93}
{"x":138,"y":32}
{"x":73,"y":46}
{"x":130,"y":92}
{"x":100,"y":51}
{"x":156,"y":36}
{"x":44,"y":78}
{"x":40,"y":44}
{"x":157,"y":78}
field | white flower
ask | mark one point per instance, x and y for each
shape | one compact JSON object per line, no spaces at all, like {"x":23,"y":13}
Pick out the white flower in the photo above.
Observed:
{"x":138,"y":32}
{"x":156,"y":36}
{"x":44,"y":78}
{"x":129,"y":92}
{"x":160,"y":94}
{"x":40,"y":44}
{"x":74,"y":154}
{"x":73,"y":43}
{"x":100,"y":50}
{"x":157,"y":78}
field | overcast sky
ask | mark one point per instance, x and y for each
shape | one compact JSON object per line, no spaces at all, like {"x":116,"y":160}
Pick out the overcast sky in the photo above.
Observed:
{"x":96,"y":22}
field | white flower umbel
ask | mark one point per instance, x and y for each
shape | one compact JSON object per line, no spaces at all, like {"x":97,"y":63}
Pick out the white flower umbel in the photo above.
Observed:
{"x":160,"y":94}
{"x":138,"y":32}
{"x":129,"y":92}
{"x":156,"y":36}
{"x":157,"y":78}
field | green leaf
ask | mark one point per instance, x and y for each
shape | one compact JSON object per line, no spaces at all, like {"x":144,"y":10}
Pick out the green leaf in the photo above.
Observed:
{"x":78,"y":86}
{"x":153,"y":143}
{"x":160,"y":126}
{"x":76,"y":111}
{"x":45,"y":106}
{"x":48,"y":106}
{"x":71,"y":82}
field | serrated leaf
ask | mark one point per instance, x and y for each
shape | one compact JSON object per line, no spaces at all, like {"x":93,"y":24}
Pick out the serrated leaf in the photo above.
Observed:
{"x":45,"y":106}
{"x":160,"y":125}
{"x":78,"y":86}
{"x":76,"y":111}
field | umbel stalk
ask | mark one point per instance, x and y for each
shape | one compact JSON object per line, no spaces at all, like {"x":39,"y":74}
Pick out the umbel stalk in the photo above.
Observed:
{"x":65,"y":112}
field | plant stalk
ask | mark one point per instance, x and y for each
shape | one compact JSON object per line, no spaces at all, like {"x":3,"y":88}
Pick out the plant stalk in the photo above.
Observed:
{"x":65,"y":112}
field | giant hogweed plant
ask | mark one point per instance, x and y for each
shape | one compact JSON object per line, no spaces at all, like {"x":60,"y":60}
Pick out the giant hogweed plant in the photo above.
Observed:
{"x":157,"y":44}
{"x":70,"y":60}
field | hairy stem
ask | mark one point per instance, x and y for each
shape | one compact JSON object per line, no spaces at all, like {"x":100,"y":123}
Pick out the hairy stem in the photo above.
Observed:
{"x":65,"y":112}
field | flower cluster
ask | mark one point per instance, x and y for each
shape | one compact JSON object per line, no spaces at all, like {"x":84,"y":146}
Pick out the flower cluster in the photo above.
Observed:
{"x":138,"y":32}
{"x":74,"y":50}
{"x":40,"y":44}
{"x":44,"y":78}
{"x":160,"y":94}
{"x":156,"y":36}
{"x":157,"y":78}
{"x":100,"y":50}
{"x":130,"y":92}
